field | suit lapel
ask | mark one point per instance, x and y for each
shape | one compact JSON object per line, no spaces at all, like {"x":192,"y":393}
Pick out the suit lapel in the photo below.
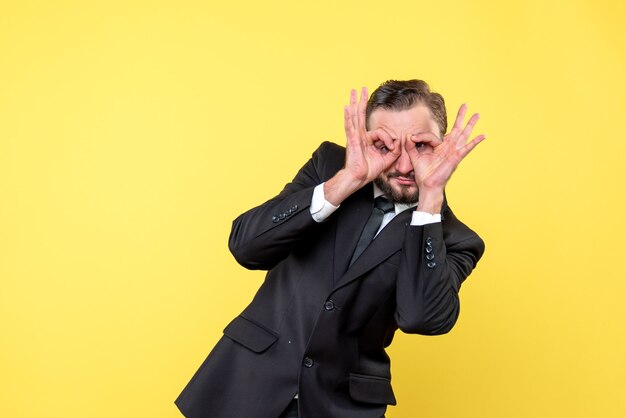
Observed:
{"x":388,"y":241}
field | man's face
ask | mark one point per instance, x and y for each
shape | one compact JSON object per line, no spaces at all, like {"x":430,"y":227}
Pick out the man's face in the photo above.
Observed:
{"x":398,"y":181}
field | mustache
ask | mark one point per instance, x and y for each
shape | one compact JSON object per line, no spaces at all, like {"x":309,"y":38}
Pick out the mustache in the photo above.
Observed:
{"x":410,"y":176}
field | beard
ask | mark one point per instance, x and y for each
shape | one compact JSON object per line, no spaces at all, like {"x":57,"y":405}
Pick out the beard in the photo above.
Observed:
{"x":399,"y":194}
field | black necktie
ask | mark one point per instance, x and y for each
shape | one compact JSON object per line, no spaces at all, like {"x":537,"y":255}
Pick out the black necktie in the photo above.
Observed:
{"x":381,"y":206}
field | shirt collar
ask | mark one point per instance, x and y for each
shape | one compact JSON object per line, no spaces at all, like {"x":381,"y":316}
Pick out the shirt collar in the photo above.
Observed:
{"x":398,"y":207}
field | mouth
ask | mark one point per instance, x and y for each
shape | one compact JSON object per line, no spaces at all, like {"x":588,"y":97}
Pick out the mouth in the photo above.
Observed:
{"x":403,"y":180}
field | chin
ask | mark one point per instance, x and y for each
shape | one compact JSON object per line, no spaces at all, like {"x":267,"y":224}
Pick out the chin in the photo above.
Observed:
{"x":396,"y":193}
{"x":407,"y":196}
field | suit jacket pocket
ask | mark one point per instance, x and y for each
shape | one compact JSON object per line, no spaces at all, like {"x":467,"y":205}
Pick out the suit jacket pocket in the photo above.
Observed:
{"x":250,"y":334}
{"x":371,"y":389}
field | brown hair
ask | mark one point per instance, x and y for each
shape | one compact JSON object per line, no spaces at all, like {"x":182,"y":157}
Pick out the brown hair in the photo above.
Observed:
{"x":403,"y":95}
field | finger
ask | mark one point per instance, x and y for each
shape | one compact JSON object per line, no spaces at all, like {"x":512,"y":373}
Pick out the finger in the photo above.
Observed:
{"x":353,"y":115}
{"x":424,"y":143}
{"x":362,"y":110}
{"x":467,"y":131}
{"x":460,"y":116}
{"x":384,"y":137}
{"x":347,"y":122}
{"x":425,"y":138}
{"x":352,"y":97}
{"x":472,"y":144}
{"x":391,"y":144}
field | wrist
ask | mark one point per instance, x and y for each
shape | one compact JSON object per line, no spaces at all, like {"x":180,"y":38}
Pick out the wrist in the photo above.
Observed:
{"x":430,"y":201}
{"x":340,"y":186}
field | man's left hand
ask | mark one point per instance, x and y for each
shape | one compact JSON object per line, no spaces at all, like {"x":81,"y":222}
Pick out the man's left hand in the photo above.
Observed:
{"x":434,"y":160}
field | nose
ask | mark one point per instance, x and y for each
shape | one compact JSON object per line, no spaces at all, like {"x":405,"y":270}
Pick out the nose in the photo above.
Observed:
{"x":403,"y":163}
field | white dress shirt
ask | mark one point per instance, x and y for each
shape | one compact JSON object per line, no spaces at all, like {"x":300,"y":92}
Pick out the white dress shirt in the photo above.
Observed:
{"x":321,"y":209}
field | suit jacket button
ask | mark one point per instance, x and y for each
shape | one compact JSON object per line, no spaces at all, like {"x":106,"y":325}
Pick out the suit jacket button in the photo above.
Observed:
{"x":431,"y":264}
{"x":275,"y":219}
{"x":294,"y":208}
{"x":429,"y":240}
{"x":428,"y":249}
{"x":329,"y":305}
{"x":430,"y":256}
{"x":282,"y":216}
{"x":308,"y":362}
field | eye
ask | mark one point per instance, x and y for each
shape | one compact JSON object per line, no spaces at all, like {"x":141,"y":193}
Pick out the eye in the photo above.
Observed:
{"x":419,"y":145}
{"x":380,"y":145}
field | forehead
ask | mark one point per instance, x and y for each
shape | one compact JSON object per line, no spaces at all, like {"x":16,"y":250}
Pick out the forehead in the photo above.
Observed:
{"x":400,"y":122}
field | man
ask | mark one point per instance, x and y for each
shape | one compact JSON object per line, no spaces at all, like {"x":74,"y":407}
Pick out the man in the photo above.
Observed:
{"x":346,"y":267}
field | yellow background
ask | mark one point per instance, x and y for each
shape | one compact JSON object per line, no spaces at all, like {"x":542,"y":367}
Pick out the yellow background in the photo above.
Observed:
{"x":132,"y":133}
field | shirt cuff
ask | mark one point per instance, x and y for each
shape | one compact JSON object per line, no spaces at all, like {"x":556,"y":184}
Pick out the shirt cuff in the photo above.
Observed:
{"x":320,"y":208}
{"x":423,"y":218}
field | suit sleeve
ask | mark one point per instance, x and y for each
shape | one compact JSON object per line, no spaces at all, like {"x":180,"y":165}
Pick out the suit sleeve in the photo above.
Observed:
{"x":436,"y":259}
{"x":264,"y":235}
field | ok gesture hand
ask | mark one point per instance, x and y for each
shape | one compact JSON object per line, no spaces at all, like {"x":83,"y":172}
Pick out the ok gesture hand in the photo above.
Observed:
{"x":434,"y":160}
{"x":367,"y":153}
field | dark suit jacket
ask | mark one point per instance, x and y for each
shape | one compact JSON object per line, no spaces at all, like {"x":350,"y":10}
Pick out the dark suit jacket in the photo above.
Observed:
{"x":317,"y":327}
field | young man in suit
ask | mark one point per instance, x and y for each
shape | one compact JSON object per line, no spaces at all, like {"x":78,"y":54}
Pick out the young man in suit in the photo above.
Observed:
{"x":359,"y":244}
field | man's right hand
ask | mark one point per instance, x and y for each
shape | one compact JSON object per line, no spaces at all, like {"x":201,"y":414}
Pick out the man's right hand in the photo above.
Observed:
{"x":367,"y":153}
